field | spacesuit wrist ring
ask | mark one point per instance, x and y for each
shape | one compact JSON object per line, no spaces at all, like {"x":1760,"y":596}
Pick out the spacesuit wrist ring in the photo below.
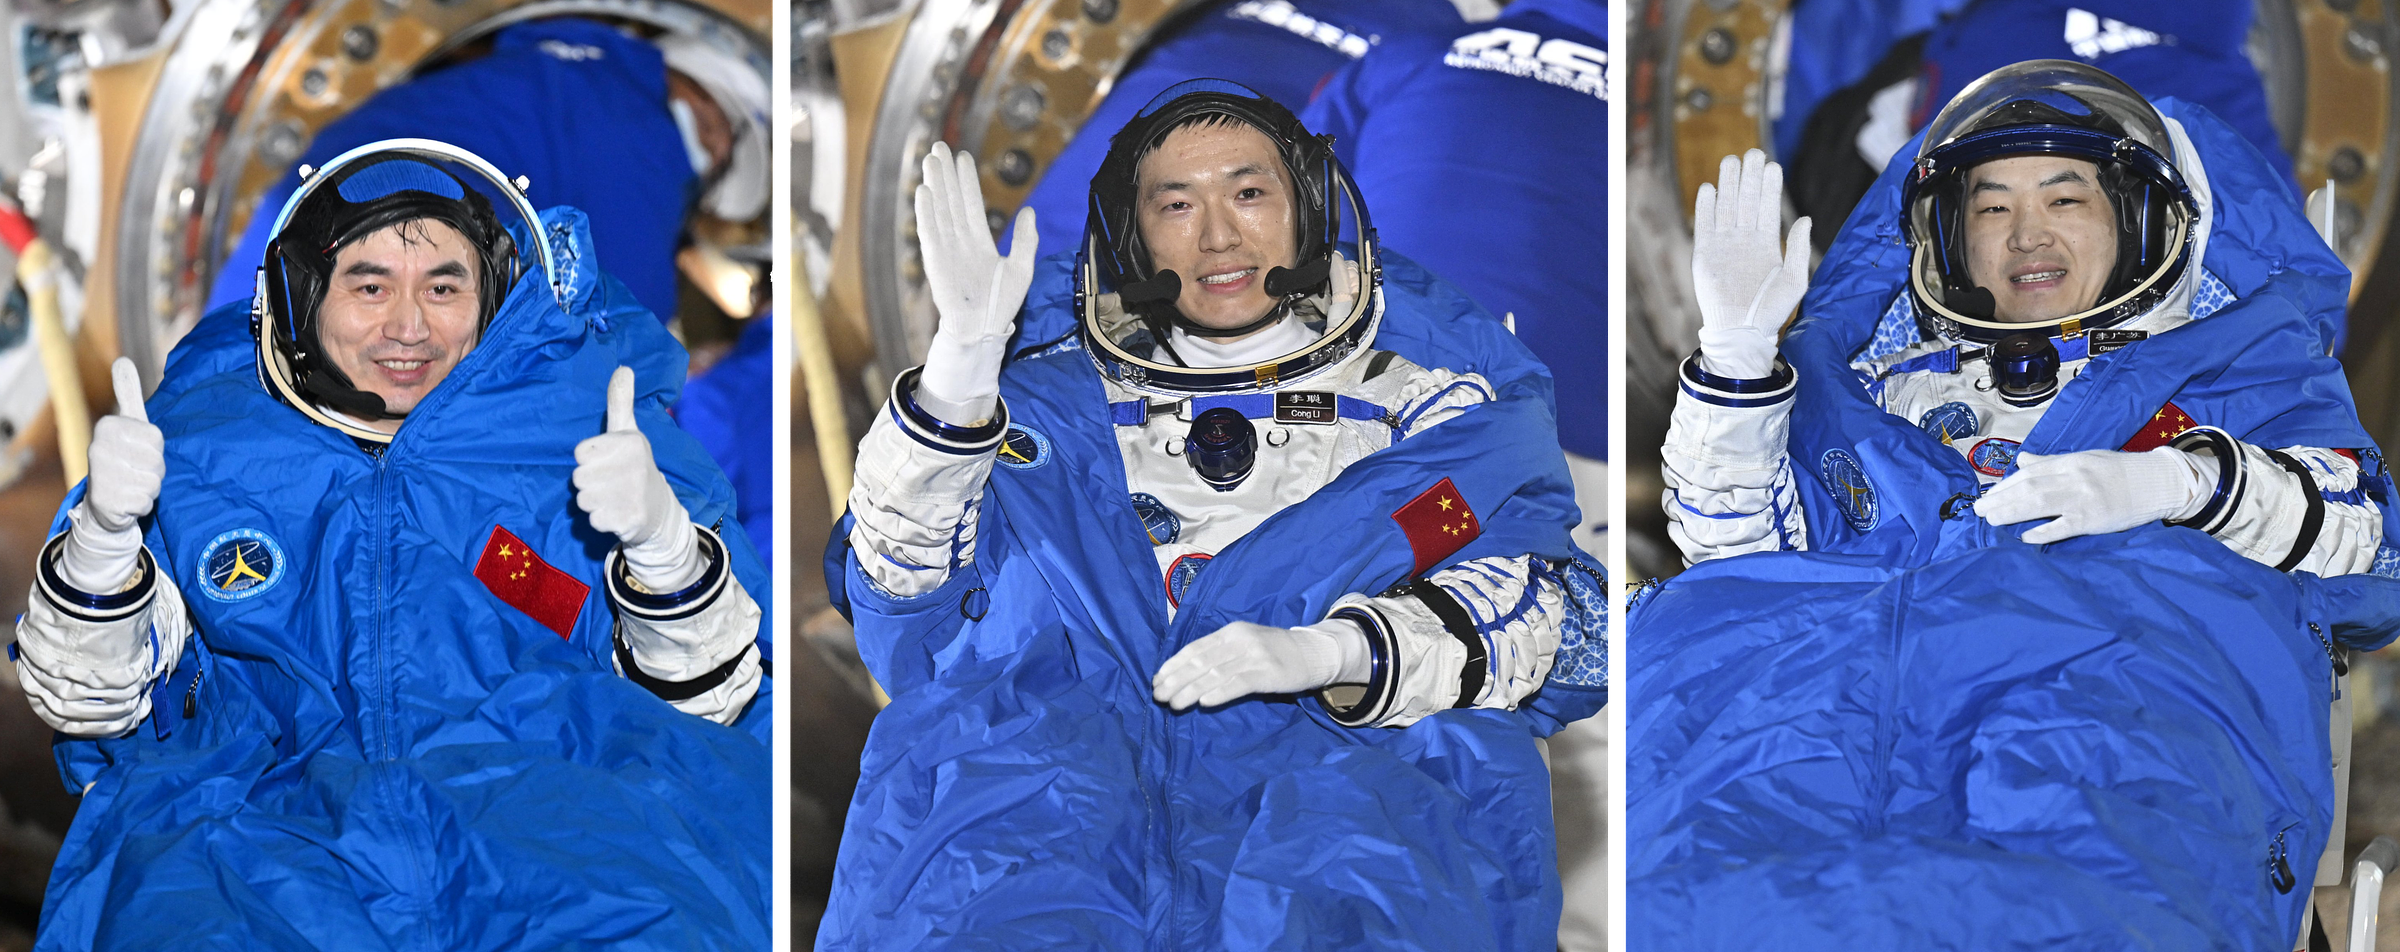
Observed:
{"x":89,"y":606}
{"x":1382,"y":677}
{"x":2231,"y":484}
{"x":929,"y":430}
{"x":692,"y":599}
{"x":1780,"y":378}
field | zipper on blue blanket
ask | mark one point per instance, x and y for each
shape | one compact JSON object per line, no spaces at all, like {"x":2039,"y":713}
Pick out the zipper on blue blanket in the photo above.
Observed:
{"x":380,"y":715}
{"x":2334,"y":654}
{"x":191,"y":694}
{"x":2279,"y":863}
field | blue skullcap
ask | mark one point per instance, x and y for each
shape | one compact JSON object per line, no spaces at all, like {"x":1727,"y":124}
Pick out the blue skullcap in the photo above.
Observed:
{"x":1190,"y":86}
{"x":398,"y":175}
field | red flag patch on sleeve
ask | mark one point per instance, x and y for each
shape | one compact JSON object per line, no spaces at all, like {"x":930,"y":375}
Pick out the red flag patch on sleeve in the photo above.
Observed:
{"x":517,"y":576}
{"x":1438,"y":523}
{"x":2168,"y":423}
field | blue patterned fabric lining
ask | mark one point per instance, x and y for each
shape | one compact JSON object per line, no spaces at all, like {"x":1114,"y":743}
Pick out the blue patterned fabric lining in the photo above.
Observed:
{"x":1897,"y":328}
{"x":2212,"y":296}
{"x":2387,"y":562}
{"x":1582,"y":659}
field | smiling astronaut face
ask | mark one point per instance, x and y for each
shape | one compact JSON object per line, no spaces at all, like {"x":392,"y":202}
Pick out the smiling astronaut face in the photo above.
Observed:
{"x":400,"y":311}
{"x":2041,"y":235}
{"x":1216,"y":207}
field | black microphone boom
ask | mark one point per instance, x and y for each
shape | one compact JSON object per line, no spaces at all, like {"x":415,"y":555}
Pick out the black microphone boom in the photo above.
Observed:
{"x":1163,"y":286}
{"x":1283,"y":281}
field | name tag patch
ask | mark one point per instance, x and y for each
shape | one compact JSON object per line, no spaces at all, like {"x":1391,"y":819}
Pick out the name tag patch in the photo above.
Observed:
{"x":2104,"y":341}
{"x":1307,"y":406}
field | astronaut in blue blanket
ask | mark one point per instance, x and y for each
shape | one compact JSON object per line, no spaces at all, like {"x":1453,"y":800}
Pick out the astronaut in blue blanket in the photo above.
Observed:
{"x":1264,"y":475}
{"x":320,"y":632}
{"x":2054,"y":216}
{"x":2020,"y":592}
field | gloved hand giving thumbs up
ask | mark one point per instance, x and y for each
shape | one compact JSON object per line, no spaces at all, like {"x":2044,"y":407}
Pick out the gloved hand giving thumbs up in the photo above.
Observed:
{"x":618,"y":483}
{"x":127,"y":463}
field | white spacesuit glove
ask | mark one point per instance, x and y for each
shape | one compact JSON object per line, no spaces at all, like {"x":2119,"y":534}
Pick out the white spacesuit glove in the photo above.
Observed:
{"x":1242,"y":659}
{"x":618,"y":483}
{"x":1745,"y":283}
{"x":921,"y":468}
{"x":2098,"y":491}
{"x":128,"y":461}
{"x":975,"y":290}
{"x":87,"y":671}
{"x":685,"y":626}
{"x":102,"y":623}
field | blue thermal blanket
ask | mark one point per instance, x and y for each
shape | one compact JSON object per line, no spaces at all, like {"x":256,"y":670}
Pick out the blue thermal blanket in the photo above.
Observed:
{"x":368,"y":749}
{"x":1023,"y":790}
{"x":1927,"y":734}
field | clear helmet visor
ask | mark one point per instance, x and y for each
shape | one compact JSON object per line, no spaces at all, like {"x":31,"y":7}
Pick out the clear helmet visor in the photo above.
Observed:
{"x":2074,"y":89}
{"x":2046,"y":108}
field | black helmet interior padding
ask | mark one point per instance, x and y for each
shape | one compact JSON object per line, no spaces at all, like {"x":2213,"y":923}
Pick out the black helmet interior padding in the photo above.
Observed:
{"x":1124,"y":263}
{"x":363,"y":199}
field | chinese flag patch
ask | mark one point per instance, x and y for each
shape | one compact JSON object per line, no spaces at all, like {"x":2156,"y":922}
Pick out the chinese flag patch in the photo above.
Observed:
{"x":2168,"y":423}
{"x":1438,"y":523}
{"x":511,"y":570}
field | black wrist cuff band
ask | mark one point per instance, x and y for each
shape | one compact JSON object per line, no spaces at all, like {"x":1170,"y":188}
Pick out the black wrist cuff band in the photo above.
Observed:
{"x":1462,"y":627}
{"x":678,"y":690}
{"x":2310,"y":524}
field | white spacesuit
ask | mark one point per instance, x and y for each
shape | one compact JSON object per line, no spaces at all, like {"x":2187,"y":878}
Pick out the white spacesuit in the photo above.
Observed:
{"x":1986,"y":369}
{"x":1217,"y":431}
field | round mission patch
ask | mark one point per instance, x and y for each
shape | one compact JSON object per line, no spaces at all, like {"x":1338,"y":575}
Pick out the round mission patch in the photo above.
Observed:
{"x":242,"y":563}
{"x":1950,"y":422}
{"x":1852,"y":493}
{"x":1024,"y":448}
